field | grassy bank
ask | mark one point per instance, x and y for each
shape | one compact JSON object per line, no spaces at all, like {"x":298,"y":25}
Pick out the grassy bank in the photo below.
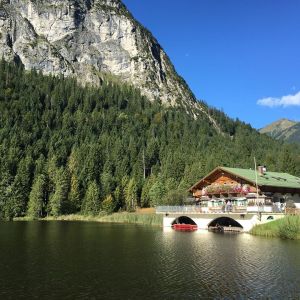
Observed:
{"x":134,"y":218}
{"x":122,"y":217}
{"x":285,"y":228}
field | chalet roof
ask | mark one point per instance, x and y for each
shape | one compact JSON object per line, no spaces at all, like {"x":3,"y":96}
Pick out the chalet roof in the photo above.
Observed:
{"x":274,"y":179}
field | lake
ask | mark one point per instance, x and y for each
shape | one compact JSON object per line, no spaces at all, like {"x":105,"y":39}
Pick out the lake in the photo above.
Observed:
{"x":86,"y":260}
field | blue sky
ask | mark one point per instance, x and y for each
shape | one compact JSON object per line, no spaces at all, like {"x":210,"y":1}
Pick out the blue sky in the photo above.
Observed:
{"x":232,"y":53}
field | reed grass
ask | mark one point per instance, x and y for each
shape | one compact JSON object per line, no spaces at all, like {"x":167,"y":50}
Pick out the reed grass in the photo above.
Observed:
{"x":285,"y":228}
{"x":133,"y":218}
{"x":121,"y":217}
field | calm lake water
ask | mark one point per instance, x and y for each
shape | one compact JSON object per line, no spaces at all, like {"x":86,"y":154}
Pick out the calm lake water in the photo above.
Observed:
{"x":74,"y":260}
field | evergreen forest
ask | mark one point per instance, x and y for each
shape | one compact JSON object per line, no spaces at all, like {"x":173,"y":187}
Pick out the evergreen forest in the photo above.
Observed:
{"x":68,"y":149}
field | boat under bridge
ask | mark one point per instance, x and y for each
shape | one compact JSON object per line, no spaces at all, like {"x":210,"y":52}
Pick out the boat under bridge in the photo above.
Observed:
{"x":242,"y":221}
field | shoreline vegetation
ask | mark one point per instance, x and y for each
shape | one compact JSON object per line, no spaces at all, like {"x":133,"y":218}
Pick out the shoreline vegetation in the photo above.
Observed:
{"x":285,"y":228}
{"x":139,"y":218}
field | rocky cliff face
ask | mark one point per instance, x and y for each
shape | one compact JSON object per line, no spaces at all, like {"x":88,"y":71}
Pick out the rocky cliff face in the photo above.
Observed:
{"x":83,"y":38}
{"x":87,"y":38}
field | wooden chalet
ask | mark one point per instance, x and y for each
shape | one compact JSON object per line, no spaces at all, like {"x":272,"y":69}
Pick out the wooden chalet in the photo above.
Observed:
{"x":244,"y":187}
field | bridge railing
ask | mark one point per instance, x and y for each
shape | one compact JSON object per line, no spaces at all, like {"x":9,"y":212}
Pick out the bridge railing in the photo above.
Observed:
{"x":199,"y":209}
{"x":178,"y":209}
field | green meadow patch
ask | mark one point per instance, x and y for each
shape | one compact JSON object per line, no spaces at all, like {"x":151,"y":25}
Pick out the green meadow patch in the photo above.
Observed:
{"x":285,"y":228}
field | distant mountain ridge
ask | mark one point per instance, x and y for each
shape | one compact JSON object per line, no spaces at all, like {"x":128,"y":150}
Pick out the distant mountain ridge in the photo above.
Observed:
{"x":283,"y":129}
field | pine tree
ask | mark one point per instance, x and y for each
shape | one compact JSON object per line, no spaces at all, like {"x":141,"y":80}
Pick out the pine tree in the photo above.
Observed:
{"x":108,"y":205}
{"x":21,"y":187}
{"x":58,"y":199}
{"x":74,"y":197}
{"x":36,"y":202}
{"x":131,"y":195}
{"x":107,"y":184}
{"x":91,"y":203}
{"x":6,"y":210}
{"x":145,"y":196}
{"x":157,"y":192}
{"x":119,"y":198}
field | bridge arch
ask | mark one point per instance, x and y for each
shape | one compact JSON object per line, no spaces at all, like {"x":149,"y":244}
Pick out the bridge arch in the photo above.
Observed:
{"x":225,"y":222}
{"x":184,"y":220}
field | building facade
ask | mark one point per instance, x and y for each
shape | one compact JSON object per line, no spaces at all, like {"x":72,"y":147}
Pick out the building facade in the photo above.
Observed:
{"x":237,"y":190}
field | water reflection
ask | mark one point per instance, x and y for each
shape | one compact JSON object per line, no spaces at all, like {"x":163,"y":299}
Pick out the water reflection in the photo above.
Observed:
{"x":91,"y":260}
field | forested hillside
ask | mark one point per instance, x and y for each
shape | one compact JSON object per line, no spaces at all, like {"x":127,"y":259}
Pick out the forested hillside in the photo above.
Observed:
{"x":67,"y":149}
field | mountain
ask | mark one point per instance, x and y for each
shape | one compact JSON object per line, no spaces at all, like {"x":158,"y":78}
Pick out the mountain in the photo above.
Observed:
{"x":284,"y":129}
{"x":94,"y":117}
{"x":88,"y":39}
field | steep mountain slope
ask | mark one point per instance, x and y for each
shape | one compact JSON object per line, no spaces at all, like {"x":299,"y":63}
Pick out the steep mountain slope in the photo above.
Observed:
{"x":86,"y":38}
{"x":284,"y":129}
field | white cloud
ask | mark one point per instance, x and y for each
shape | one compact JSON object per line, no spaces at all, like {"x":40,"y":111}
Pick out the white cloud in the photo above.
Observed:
{"x":289,"y":100}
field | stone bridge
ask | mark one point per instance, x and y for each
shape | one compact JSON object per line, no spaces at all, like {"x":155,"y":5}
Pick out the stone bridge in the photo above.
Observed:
{"x":189,"y":215}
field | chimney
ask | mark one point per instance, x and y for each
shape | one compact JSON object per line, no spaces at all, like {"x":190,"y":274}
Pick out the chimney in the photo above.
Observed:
{"x":261,"y":170}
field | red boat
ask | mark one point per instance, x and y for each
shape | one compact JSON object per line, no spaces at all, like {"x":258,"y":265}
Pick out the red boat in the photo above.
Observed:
{"x":184,"y":227}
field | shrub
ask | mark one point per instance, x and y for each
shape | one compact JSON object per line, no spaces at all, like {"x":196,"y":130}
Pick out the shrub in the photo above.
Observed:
{"x":289,"y":228}
{"x":290,"y":204}
{"x":175,"y":197}
{"x":285,"y":228}
{"x":108,"y":204}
